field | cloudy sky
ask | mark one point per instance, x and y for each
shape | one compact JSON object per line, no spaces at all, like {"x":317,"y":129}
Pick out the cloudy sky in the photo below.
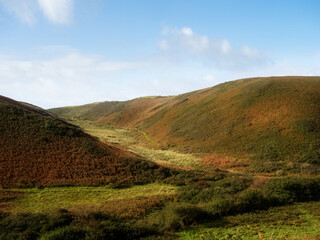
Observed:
{"x":71,"y":52}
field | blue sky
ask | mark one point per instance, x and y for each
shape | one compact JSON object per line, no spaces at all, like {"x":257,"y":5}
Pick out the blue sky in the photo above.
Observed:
{"x":71,"y":52}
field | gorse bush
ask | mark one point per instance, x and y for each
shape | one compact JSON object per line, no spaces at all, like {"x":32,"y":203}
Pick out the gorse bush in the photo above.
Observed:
{"x":290,"y":189}
{"x":29,"y":226}
{"x":65,"y":233}
{"x":276,"y":192}
{"x":210,"y":190}
{"x":246,"y":201}
{"x":306,"y":127}
{"x":177,"y":216}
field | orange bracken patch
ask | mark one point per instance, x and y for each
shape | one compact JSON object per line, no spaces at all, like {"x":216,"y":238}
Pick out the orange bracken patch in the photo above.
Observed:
{"x":223,"y":162}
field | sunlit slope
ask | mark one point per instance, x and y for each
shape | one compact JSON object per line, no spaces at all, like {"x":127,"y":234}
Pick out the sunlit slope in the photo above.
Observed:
{"x":126,"y":113}
{"x":267,"y":119}
{"x":37,"y":149}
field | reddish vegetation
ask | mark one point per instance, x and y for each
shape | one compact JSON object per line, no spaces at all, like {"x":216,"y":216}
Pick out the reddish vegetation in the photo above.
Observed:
{"x":40,"y":150}
{"x":222,"y":162}
{"x":270,"y":120}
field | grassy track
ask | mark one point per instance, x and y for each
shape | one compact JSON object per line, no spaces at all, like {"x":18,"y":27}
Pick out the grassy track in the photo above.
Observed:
{"x":50,"y":199}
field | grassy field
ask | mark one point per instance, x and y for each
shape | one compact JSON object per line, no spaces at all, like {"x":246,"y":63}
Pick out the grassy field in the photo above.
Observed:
{"x":45,"y":200}
{"x":107,"y":133}
{"x":128,"y":138}
{"x":298,"y":221}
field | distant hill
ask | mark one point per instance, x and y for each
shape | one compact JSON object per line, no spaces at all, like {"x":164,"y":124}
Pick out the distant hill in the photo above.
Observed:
{"x":272,"y":121}
{"x":37,"y":149}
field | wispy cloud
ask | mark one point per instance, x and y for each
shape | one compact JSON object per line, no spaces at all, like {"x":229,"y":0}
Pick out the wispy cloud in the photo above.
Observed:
{"x":57,"y":11}
{"x":27,"y":11}
{"x":64,"y":80}
{"x":23,"y":10}
{"x":185,"y":44}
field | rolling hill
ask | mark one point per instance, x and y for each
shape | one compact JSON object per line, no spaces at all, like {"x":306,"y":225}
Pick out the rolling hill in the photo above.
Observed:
{"x":37,"y":149}
{"x":272,"y":121}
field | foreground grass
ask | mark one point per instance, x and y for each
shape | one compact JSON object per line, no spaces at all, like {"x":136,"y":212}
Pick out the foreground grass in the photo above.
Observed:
{"x":298,"y":221}
{"x":50,"y":199}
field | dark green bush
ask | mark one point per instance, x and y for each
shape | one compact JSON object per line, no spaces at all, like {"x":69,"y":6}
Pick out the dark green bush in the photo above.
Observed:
{"x":246,"y":201}
{"x":292,"y":189}
{"x":306,"y":126}
{"x":311,"y":157}
{"x":65,"y":233}
{"x":29,"y":226}
{"x":201,"y":193}
{"x":177,"y":216}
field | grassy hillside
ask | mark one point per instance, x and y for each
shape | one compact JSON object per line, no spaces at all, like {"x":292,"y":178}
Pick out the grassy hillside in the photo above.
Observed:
{"x":273,"y":121}
{"x":38,"y":149}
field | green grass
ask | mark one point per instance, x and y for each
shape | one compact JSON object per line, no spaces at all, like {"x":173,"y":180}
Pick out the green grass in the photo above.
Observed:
{"x":299,"y":221}
{"x":125,"y":137}
{"x":146,"y":137}
{"x":50,"y":199}
{"x":167,"y":157}
{"x":107,"y":133}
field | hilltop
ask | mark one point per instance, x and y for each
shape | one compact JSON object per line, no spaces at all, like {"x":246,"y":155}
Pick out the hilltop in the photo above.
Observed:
{"x":273,"y":122}
{"x":38,"y":149}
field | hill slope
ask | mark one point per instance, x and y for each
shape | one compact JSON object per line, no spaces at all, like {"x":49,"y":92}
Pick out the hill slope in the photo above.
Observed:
{"x":37,"y":149}
{"x":271,"y":120}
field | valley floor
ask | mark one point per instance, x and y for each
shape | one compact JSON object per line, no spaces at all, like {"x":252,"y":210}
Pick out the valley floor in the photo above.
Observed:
{"x":138,"y":142}
{"x":174,"y":210}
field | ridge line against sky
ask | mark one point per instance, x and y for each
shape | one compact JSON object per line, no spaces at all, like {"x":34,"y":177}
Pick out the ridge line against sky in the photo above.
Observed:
{"x":71,"y":52}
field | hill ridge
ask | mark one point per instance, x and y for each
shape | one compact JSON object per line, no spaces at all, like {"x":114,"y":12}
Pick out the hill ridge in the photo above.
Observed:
{"x":38,"y":149}
{"x":271,"y":120}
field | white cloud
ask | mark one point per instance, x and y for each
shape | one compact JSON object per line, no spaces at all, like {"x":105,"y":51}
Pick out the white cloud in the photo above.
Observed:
{"x":249,"y":52}
{"x":163,"y":44}
{"x":70,"y":79}
{"x":225,"y":47}
{"x":186,"y":45}
{"x":57,"y":11}
{"x":186,"y":31}
{"x":24,"y":10}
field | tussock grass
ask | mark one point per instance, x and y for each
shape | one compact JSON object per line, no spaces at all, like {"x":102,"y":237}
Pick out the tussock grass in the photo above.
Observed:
{"x":50,"y":199}
{"x":107,"y":133}
{"x":167,"y":157}
{"x":299,"y":221}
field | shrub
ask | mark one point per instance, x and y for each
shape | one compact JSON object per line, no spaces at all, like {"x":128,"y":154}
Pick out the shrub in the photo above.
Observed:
{"x":65,"y":233}
{"x":306,"y":126}
{"x":29,"y":226}
{"x":177,"y":216}
{"x":311,"y":157}
{"x":246,"y":201}
{"x":205,"y":191}
{"x":292,"y":189}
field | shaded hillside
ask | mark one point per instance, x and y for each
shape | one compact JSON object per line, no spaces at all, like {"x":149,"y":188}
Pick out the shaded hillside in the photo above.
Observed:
{"x":37,"y":149}
{"x":271,"y":120}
